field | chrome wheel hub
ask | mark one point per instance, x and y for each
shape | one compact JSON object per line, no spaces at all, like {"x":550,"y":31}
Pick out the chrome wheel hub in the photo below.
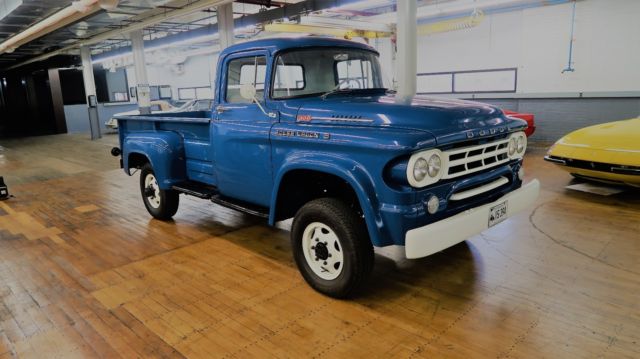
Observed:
{"x":152,"y":190}
{"x":322,"y":250}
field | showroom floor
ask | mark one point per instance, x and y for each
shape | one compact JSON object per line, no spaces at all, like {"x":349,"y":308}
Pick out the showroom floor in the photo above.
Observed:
{"x":84,"y":271}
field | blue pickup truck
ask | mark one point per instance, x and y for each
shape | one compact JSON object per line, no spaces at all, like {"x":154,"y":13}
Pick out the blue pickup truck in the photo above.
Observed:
{"x":306,"y":129}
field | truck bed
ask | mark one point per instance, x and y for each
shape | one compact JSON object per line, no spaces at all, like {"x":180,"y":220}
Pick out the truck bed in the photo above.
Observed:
{"x":193,"y":127}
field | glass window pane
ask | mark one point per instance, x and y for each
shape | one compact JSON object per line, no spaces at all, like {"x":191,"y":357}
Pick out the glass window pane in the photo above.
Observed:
{"x":165,"y":92}
{"x":313,"y":72}
{"x":289,"y":77}
{"x":246,"y":70}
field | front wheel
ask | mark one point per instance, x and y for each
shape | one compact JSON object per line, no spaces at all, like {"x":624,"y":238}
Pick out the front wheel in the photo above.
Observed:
{"x":331,"y":247}
{"x":161,"y":204}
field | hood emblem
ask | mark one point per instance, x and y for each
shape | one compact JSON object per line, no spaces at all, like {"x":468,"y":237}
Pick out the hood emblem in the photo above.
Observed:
{"x":486,"y":132}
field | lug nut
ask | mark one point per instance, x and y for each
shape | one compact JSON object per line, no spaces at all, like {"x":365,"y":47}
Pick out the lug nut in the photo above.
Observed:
{"x":313,"y":247}
{"x":329,"y":254}
{"x":325,"y":263}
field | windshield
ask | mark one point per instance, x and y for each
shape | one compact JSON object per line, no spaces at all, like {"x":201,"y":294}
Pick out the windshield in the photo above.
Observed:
{"x":320,"y":71}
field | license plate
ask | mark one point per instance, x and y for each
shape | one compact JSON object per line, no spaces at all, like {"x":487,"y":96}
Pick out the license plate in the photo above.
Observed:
{"x":497,"y":213}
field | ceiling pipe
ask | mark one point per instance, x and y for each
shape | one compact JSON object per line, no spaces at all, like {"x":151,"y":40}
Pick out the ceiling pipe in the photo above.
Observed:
{"x":152,"y":20}
{"x":210,"y":32}
{"x":74,"y":12}
{"x":109,"y":5}
{"x":457,"y":8}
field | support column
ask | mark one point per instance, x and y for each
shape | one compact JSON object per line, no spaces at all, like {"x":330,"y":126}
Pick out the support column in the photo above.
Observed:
{"x":56,"y":98}
{"x":90,"y":92}
{"x":225,"y":25}
{"x":407,"y":53}
{"x":140,"y":66}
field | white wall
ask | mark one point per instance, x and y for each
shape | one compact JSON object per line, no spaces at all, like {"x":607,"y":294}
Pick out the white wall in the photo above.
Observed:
{"x":199,"y":71}
{"x":606,"y":49}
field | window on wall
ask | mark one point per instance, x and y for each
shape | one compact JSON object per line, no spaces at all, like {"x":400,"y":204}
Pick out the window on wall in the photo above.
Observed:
{"x":204,"y":92}
{"x":154,"y":93}
{"x":193,"y":93}
{"x":503,"y":80}
{"x":111,"y":86}
{"x":246,"y":70}
{"x":165,"y":92}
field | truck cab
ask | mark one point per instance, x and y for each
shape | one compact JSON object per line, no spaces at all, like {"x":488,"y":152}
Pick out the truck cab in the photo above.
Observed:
{"x":306,"y":128}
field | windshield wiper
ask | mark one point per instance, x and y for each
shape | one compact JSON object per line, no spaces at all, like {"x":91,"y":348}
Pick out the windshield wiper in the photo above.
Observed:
{"x":335,"y":90}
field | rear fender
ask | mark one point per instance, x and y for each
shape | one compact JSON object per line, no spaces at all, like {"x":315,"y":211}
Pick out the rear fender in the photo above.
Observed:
{"x":165,"y":152}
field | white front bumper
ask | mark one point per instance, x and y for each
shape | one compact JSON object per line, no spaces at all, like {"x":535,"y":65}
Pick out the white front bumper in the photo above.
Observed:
{"x":434,"y":237}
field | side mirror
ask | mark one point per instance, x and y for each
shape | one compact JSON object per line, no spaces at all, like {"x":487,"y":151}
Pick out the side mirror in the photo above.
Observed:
{"x":248,"y":92}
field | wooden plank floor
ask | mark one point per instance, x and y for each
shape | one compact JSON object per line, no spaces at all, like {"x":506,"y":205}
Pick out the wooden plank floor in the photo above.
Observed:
{"x":85,"y":272}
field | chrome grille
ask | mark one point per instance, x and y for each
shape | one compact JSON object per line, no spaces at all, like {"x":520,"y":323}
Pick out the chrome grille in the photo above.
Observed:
{"x":466,"y":160}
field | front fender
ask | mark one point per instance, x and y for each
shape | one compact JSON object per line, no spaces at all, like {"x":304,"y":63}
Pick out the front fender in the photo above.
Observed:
{"x":350,"y":171}
{"x":165,"y":152}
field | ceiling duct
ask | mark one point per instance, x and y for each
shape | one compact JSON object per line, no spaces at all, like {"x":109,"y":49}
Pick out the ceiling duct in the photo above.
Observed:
{"x":108,"y":5}
{"x":74,"y":12}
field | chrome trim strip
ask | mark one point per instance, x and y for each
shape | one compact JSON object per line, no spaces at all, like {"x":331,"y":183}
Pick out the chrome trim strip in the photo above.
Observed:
{"x":478,"y":190}
{"x":555,"y":160}
{"x":626,"y":171}
{"x":335,"y":119}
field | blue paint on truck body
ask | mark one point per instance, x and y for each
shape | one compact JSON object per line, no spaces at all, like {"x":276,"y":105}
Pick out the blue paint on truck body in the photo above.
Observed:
{"x":364,"y":138}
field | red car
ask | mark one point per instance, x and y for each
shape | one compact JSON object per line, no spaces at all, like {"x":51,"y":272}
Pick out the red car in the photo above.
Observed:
{"x":524,"y":116}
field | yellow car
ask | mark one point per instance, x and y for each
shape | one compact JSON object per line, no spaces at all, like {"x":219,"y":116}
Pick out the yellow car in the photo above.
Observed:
{"x":608,"y":152}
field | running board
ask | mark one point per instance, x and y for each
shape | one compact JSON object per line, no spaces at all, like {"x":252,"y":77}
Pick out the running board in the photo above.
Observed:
{"x":241,"y":206}
{"x":196,"y":189}
{"x":204,"y":191}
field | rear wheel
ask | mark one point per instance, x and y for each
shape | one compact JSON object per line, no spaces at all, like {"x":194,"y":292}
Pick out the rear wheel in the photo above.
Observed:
{"x":331,"y":247}
{"x":161,"y":204}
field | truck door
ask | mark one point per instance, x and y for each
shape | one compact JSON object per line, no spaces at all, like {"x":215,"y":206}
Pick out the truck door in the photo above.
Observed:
{"x":241,"y":130}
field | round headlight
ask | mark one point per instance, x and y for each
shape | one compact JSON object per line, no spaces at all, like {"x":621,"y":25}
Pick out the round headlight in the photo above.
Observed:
{"x":434,"y":165}
{"x":520,"y":145}
{"x":420,"y":169}
{"x":512,"y":146}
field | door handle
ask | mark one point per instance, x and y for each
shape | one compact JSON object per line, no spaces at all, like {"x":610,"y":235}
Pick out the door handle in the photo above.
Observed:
{"x":221,"y":109}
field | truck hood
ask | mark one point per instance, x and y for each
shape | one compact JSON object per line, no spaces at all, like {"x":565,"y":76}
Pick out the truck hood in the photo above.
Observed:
{"x":447,"y":120}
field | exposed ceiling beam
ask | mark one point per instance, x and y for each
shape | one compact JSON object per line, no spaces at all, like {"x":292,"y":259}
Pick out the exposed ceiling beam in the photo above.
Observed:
{"x":60,"y":19}
{"x":170,"y":14}
{"x":208,"y":32}
{"x":345,"y":24}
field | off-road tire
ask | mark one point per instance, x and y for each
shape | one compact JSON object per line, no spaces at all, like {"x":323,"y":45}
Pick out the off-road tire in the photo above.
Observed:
{"x":350,"y":229}
{"x":167,"y":206}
